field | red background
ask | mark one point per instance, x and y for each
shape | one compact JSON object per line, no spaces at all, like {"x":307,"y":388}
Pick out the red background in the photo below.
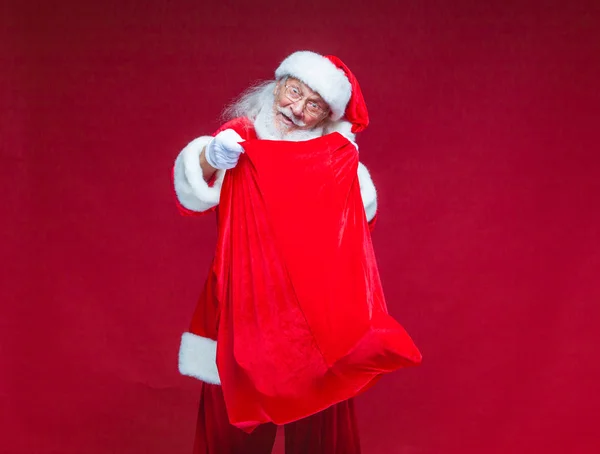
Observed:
{"x":483,"y":146}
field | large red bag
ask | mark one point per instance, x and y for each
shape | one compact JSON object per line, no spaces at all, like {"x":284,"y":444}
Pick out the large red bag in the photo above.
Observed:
{"x":303,"y":322}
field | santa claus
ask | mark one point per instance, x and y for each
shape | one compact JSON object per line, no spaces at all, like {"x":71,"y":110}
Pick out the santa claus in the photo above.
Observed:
{"x":312,"y":96}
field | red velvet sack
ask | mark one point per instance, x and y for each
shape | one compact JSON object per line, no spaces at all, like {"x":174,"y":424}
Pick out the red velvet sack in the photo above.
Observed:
{"x":303,"y":322}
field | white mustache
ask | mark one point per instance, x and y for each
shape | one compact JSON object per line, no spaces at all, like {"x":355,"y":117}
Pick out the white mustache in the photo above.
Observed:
{"x":290,"y":115}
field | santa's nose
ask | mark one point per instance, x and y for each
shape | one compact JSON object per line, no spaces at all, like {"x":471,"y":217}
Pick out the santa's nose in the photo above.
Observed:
{"x":297,"y":109}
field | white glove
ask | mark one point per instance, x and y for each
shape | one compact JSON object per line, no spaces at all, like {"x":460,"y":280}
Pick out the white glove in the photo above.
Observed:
{"x":224,"y":150}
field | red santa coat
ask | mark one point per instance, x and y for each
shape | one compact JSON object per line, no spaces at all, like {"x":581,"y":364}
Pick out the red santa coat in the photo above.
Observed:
{"x":194,"y":197}
{"x":333,"y":366}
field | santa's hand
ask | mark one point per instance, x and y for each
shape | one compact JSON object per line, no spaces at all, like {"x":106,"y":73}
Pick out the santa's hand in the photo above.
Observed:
{"x":224,"y":150}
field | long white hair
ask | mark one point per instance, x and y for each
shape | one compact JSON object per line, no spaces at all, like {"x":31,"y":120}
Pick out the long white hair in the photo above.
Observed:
{"x":251,"y":101}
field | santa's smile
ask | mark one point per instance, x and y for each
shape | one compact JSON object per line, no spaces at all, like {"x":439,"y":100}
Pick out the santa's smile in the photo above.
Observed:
{"x":285,"y":119}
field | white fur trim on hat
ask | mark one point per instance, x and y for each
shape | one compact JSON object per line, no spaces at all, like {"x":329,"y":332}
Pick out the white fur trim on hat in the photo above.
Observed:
{"x":198,"y":358}
{"x":322,"y":76}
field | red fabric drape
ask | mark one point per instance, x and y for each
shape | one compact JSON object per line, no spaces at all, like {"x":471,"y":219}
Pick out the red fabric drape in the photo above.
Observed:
{"x":303,"y":323}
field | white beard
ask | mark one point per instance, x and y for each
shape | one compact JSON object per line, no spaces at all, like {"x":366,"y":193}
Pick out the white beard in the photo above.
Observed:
{"x":267,"y":129}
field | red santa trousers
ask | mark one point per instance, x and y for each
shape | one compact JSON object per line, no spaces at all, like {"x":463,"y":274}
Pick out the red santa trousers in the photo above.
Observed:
{"x":332,"y":431}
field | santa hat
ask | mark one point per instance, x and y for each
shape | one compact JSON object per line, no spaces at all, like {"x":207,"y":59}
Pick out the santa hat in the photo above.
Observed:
{"x":333,"y":80}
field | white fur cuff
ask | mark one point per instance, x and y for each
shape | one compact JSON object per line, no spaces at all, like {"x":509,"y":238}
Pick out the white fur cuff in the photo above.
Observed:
{"x":191,"y":189}
{"x":367,"y":191}
{"x":198,"y":358}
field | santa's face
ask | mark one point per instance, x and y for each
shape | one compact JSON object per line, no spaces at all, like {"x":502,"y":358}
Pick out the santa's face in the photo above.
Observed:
{"x":297,"y":107}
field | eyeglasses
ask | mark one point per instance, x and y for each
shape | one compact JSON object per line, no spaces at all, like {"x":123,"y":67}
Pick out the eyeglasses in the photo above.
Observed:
{"x":294,"y":94}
